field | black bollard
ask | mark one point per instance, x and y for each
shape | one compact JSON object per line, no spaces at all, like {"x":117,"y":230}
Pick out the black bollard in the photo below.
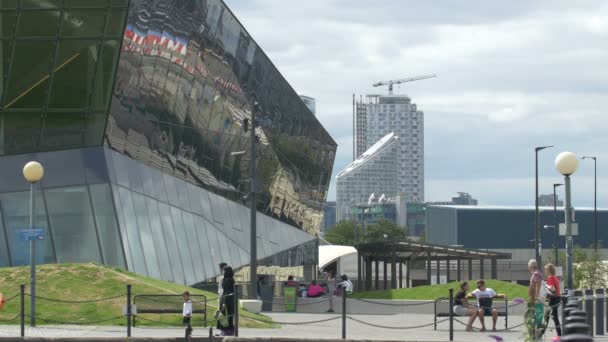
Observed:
{"x":599,"y":311}
{"x":589,"y":309}
{"x":343,"y":313}
{"x":22,"y":289}
{"x":451,"y":314}
{"x":210,"y":334}
{"x":576,"y":328}
{"x":578,"y":295}
{"x":576,"y":338}
{"x":129,"y":310}
{"x":575,"y":319}
{"x":236,"y":310}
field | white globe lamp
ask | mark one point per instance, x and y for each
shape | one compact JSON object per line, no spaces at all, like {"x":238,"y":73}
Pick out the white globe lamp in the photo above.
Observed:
{"x":33,"y":172}
{"x":566,"y":163}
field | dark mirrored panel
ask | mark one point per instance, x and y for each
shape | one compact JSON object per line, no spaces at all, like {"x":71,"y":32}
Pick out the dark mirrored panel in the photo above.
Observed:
{"x":188,"y":78}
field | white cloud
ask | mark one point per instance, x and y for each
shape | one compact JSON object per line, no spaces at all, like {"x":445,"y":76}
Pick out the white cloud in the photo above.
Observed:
{"x":512,"y":75}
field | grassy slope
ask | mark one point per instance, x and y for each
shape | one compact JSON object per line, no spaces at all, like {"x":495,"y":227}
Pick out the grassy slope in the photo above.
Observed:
{"x":435,"y":291}
{"x":92,"y":281}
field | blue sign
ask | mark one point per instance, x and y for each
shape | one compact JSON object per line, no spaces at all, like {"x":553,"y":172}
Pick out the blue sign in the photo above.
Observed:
{"x":32,"y":234}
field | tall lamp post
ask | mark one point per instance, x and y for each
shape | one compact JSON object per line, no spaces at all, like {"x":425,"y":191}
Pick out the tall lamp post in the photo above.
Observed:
{"x":566,"y":163}
{"x":537,"y":240}
{"x":594,"y":200}
{"x":33,"y":173}
{"x":253,"y":246}
{"x":555,"y":185}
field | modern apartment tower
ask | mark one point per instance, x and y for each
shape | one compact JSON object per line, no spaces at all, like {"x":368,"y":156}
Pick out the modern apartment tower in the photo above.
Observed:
{"x":384,"y":114}
{"x":374,"y":172}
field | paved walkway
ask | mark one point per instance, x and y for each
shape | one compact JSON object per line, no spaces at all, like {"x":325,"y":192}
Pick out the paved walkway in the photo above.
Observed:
{"x":329,"y":329}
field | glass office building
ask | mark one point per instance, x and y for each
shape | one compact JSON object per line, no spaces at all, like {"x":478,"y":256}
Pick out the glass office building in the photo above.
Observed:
{"x":134,"y":109}
{"x":374,"y":172}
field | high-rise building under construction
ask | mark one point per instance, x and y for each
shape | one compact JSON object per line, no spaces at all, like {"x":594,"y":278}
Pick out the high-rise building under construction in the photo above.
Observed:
{"x":378,"y":115}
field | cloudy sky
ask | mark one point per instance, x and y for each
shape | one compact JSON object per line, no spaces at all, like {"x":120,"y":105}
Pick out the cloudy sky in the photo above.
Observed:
{"x":512,"y":75}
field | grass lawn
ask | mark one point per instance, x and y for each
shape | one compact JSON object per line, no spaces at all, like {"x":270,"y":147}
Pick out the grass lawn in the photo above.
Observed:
{"x":80,"y":282}
{"x":431,"y":292}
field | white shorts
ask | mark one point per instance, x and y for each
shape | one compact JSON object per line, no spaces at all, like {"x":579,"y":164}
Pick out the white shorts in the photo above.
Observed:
{"x":461,"y":310}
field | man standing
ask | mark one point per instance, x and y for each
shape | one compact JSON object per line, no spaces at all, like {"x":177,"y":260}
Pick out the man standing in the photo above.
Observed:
{"x":535,"y":282}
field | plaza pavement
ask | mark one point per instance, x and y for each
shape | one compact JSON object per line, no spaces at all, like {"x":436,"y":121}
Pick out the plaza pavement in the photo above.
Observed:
{"x":328,"y":329}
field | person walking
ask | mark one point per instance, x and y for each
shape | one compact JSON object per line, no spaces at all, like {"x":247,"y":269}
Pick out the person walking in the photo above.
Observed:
{"x":554,"y":295}
{"x":227,"y":302}
{"x":331,"y":287}
{"x":462,"y":306}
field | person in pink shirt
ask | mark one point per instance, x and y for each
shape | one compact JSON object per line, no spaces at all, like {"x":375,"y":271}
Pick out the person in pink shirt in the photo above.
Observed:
{"x":314,"y":290}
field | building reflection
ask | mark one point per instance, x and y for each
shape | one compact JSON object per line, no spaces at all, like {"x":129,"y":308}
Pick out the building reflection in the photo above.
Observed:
{"x":186,"y":81}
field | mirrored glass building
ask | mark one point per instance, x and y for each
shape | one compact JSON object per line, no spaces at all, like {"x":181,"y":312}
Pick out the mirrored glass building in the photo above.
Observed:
{"x":134,"y":109}
{"x":375,"y":173}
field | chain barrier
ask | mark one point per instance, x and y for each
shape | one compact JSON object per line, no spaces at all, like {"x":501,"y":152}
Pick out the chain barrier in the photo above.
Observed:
{"x":299,"y":303}
{"x":77,"y":301}
{"x":11,"y":298}
{"x":393,"y":304}
{"x":11,"y":319}
{"x":78,"y":323}
{"x":395,"y":328}
{"x":297,"y":323}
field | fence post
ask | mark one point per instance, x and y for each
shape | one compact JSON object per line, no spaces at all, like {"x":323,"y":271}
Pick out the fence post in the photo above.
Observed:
{"x":236,"y":310}
{"x":599,"y":311}
{"x":589,"y":309}
{"x":344,"y":313}
{"x":435,"y":313}
{"x":451,"y":314}
{"x":129,"y":310}
{"x":22,"y":291}
{"x":210,"y":334}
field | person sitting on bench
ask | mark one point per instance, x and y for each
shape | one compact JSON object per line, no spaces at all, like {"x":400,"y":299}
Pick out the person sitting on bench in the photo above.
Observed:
{"x":462,"y":306}
{"x":314,"y":290}
{"x":484,"y":296}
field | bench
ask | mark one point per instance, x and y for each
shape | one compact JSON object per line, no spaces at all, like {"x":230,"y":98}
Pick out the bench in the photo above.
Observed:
{"x":168,"y":304}
{"x":445,"y":312}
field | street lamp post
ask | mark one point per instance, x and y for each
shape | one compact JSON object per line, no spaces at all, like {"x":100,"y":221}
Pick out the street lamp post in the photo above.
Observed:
{"x":566,"y":163}
{"x":33,"y":173}
{"x":253,"y":248}
{"x":594,"y":201}
{"x":555,"y":237}
{"x":537,"y":234}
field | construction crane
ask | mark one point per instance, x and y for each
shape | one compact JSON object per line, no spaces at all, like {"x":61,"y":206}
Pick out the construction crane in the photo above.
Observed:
{"x":399,"y":81}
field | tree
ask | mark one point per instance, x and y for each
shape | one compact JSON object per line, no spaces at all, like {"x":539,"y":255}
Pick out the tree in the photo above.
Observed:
{"x":349,"y":233}
{"x":590,"y":271}
{"x":393,"y":232}
{"x":343,"y":233}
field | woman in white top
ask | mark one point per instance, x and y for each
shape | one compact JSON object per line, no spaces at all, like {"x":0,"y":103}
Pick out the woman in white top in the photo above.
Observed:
{"x":331,"y":287}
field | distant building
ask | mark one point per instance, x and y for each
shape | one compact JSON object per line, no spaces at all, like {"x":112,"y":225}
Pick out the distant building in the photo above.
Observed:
{"x":329,"y":216}
{"x":547,"y":201}
{"x":464,"y":199}
{"x":310,"y":103}
{"x":375,"y":173}
{"x":416,"y":218}
{"x":389,"y":209}
{"x":380,"y":115}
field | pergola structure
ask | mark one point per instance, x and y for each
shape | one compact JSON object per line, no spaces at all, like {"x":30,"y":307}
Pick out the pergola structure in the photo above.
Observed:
{"x":408,"y":252}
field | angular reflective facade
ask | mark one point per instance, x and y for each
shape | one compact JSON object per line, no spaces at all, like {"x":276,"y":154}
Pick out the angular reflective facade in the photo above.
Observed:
{"x":134,"y":109}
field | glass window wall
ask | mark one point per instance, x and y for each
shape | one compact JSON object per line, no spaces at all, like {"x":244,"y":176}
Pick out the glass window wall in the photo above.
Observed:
{"x":73,"y":226}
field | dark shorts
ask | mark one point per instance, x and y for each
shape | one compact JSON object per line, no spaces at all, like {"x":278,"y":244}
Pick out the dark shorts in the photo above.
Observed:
{"x":186,"y":320}
{"x":487,"y":311}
